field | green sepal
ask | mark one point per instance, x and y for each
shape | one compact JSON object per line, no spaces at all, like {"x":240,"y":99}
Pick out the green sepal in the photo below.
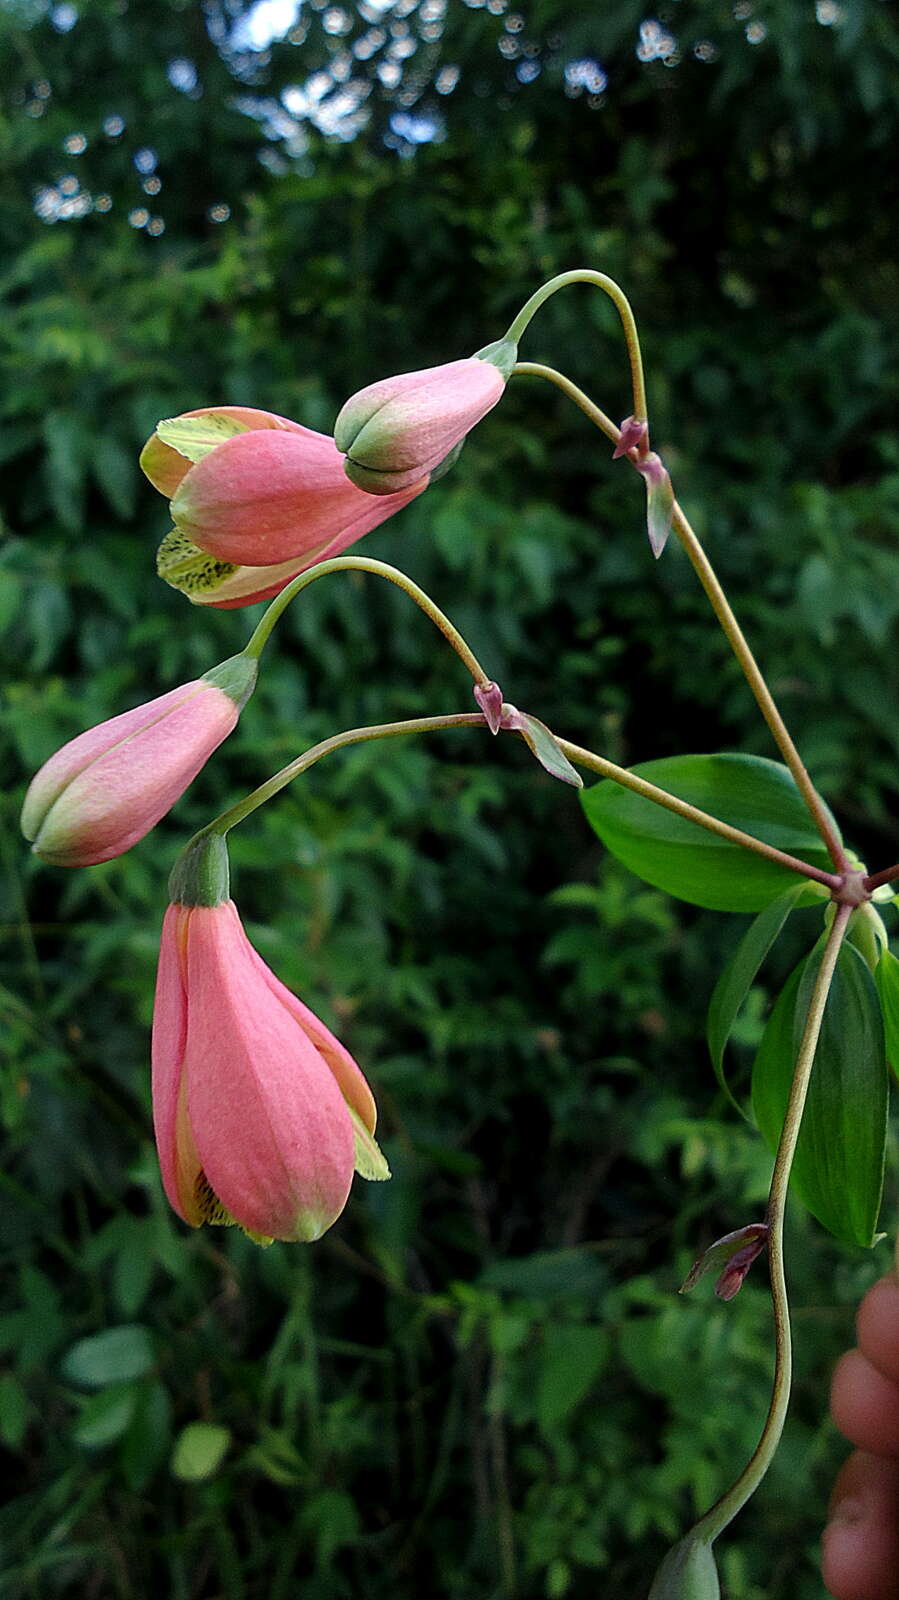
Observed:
{"x":201,"y":875}
{"x":236,"y":677}
{"x":184,"y":566}
{"x":688,"y":1572}
{"x":737,"y":979}
{"x":886,"y":977}
{"x":196,"y":437}
{"x":839,"y":1162}
{"x":370,"y":1162}
{"x":867,"y":932}
{"x":501,"y":353}
{"x":544,"y":746}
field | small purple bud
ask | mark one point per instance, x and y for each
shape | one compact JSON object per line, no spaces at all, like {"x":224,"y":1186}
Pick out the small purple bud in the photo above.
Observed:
{"x":731,"y":1280}
{"x":633,"y":435}
{"x":489,"y":696}
{"x":735,"y":1253}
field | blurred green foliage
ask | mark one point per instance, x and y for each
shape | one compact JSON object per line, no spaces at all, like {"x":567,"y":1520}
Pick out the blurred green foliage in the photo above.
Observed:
{"x":482,"y":1381}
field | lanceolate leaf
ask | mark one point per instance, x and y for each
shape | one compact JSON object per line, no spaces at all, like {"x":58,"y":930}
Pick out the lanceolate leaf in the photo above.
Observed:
{"x":686,"y":860}
{"x":838,"y":1171}
{"x":738,"y":977}
{"x":543,"y":745}
{"x":886,"y":976}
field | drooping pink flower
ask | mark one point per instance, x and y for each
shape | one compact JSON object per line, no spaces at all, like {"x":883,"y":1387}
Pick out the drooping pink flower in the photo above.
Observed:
{"x":261,"y":1115}
{"x":400,"y":428}
{"x":254,"y":490}
{"x":109,"y":786}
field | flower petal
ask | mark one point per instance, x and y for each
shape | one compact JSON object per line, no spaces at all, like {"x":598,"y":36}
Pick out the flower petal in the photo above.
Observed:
{"x":178,"y":1163}
{"x":272,"y":1129}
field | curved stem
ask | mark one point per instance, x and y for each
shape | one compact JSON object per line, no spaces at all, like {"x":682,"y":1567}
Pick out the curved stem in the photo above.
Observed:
{"x":755,"y":678}
{"x":476,"y":719}
{"x":380,"y":569}
{"x":382,"y":730}
{"x":536,"y":369}
{"x":661,"y":797}
{"x":875,"y":879}
{"x":622,"y":306}
{"x":746,"y":1484}
{"x":729,"y":625}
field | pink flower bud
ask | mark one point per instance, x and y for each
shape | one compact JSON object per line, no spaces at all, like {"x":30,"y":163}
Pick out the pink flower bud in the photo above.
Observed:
{"x":253,"y":489}
{"x":261,"y":1115}
{"x":399,"y":429}
{"x":105,"y":789}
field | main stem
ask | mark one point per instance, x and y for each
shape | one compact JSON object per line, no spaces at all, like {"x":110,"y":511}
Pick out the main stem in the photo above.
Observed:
{"x":730,"y":627}
{"x":380,"y":569}
{"x":725,"y":1509}
{"x":475,"y":719}
{"x":622,"y":306}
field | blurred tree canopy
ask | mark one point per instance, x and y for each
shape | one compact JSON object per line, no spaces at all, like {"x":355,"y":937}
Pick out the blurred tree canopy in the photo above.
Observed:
{"x":481,"y":1382}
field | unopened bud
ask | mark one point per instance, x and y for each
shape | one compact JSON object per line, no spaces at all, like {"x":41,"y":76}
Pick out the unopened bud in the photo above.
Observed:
{"x":688,"y":1572}
{"x":398,"y":431}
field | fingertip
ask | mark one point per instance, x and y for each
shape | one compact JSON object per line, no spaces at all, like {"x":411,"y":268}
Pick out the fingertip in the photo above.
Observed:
{"x":865,"y":1405}
{"x":878,"y":1327}
{"x":860,"y":1545}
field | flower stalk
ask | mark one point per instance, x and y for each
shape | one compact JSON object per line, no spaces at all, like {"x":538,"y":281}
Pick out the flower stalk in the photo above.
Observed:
{"x":725,"y":616}
{"x":380,"y":569}
{"x":730,"y":1503}
{"x":574,"y":753}
{"x":622,"y":305}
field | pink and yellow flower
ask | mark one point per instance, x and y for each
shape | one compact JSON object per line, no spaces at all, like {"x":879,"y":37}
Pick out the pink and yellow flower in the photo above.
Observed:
{"x":255,"y":499}
{"x":261,"y":1115}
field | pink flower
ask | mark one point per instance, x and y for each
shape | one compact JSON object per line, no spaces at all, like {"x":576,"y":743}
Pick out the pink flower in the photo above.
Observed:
{"x":400,"y":428}
{"x":109,"y":786}
{"x":261,"y":1115}
{"x":252,"y":491}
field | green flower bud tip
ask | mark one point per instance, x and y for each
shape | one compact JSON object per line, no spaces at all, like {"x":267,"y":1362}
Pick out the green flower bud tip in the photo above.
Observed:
{"x":688,"y":1572}
{"x":397,"y":432}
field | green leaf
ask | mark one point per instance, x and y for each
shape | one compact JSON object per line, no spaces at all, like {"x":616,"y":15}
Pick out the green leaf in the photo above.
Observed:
{"x":146,"y":1442}
{"x":14,"y":1411}
{"x":115,"y":471}
{"x":331,"y":1520}
{"x":738,"y":977}
{"x":105,"y":1416}
{"x":65,"y":438}
{"x":686,"y":860}
{"x":199,"y":1451}
{"x":573,"y":1356}
{"x":838,"y":1170}
{"x":886,"y":976}
{"x":548,"y":1275}
{"x":109,"y":1357}
{"x":195,"y":437}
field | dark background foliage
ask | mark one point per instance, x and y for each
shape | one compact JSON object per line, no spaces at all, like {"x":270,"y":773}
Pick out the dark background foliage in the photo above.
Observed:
{"x":481,"y":1382}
